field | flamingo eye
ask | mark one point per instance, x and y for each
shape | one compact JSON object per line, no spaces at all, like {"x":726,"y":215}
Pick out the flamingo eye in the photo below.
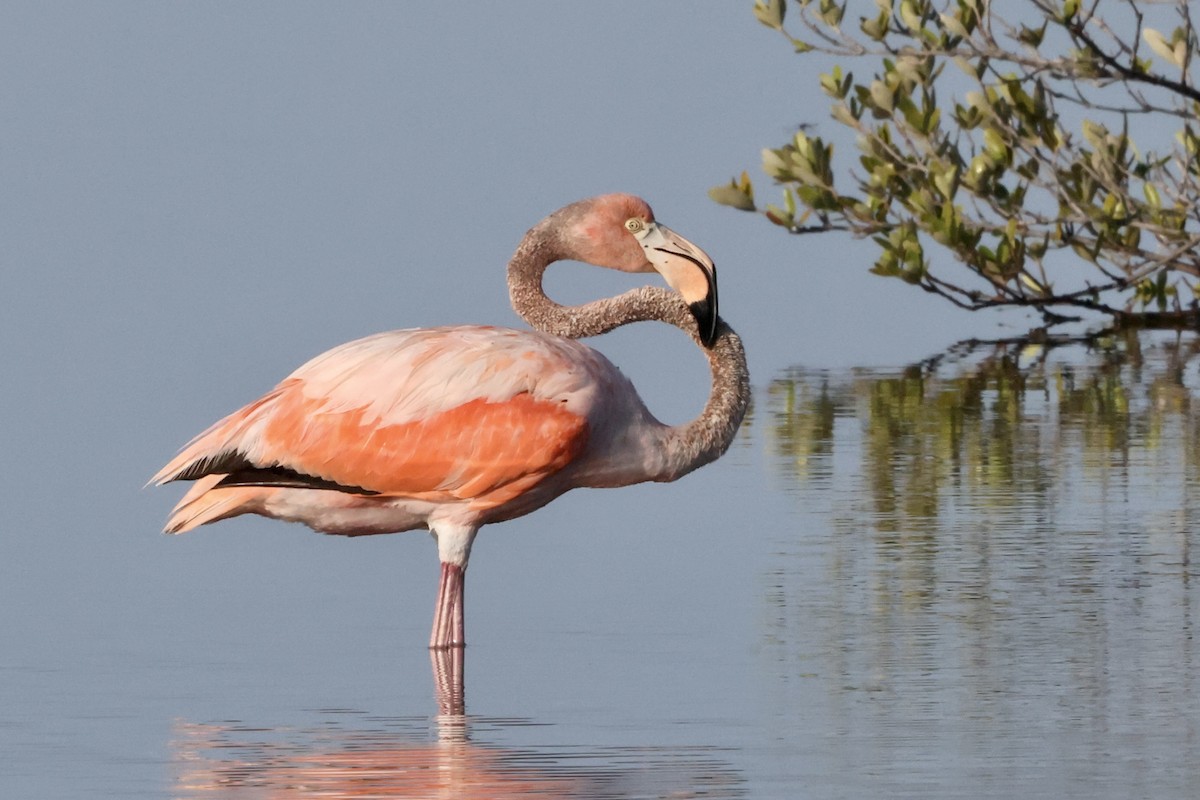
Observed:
{"x":634,"y":225}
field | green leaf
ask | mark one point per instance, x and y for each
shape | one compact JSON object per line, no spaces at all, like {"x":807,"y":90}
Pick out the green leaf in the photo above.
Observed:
{"x":876,"y":28}
{"x":946,"y":182}
{"x":1033,"y":36}
{"x":881,"y":97}
{"x":996,"y":146}
{"x":832,"y":85}
{"x":1171,"y":52}
{"x":831,"y":13}
{"x":954,"y":25}
{"x":770,"y":12}
{"x":1095,"y":133}
{"x":1032,"y":284}
{"x":845,"y":115}
{"x":779,"y":216}
{"x":968,"y":117}
{"x":1152,"y":195}
{"x":933,"y":115}
{"x":731,"y":195}
{"x":739,"y":193}
{"x":909,"y":15}
{"x":776,"y":165}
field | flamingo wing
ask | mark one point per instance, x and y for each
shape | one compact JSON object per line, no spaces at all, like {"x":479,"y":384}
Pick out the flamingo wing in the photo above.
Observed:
{"x":440,"y":414}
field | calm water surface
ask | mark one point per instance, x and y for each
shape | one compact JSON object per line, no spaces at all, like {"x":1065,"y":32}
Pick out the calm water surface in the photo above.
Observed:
{"x":990,"y":590}
{"x":970,"y":577}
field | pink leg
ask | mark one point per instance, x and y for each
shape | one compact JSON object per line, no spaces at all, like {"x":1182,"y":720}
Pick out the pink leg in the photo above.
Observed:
{"x":448,"y":623}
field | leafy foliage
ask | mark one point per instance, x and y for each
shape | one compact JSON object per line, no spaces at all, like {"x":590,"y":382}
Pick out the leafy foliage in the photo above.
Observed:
{"x":1009,"y":142}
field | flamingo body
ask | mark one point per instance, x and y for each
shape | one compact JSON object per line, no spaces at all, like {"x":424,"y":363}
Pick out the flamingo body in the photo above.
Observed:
{"x":452,"y":428}
{"x":473,"y":424}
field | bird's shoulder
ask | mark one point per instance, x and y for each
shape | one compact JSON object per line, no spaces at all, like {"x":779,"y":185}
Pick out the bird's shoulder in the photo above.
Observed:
{"x":401,"y":375}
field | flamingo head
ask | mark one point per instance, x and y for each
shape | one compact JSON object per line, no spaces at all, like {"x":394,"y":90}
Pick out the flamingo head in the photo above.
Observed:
{"x":618,"y":231}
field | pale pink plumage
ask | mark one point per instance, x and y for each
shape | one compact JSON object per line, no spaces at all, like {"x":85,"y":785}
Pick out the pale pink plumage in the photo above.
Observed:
{"x":470,"y":423}
{"x":451,"y":428}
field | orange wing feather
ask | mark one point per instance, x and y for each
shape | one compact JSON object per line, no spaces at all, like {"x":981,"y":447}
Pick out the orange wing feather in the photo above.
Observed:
{"x":467,"y":452}
{"x":443,"y":415}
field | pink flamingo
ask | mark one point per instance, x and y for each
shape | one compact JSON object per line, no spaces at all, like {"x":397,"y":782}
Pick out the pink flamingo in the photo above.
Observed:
{"x":451,"y":428}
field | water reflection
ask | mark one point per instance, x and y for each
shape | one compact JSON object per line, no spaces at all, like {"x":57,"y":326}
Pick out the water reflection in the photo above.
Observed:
{"x":993,"y":417}
{"x":351,"y":754}
{"x":991,"y":588}
{"x":449,"y":680}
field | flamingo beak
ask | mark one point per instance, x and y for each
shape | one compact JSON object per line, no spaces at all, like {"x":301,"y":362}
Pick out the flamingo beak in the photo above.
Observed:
{"x":688,"y":270}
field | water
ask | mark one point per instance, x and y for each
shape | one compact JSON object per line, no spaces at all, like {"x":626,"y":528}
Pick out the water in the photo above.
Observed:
{"x":998,"y":598}
{"x":969,"y":577}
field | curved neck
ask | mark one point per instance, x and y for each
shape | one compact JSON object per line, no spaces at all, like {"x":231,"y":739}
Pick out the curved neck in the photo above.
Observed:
{"x":684,"y":447}
{"x":708,"y":436}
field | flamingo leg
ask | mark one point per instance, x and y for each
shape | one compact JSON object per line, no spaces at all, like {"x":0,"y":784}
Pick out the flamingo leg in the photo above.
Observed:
{"x":448,"y":619}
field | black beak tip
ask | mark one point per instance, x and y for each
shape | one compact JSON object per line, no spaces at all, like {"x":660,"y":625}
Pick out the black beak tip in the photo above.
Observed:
{"x":706,"y":320}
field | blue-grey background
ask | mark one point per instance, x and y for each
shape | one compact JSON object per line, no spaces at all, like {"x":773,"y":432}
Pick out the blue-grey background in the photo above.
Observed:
{"x":196,"y":198}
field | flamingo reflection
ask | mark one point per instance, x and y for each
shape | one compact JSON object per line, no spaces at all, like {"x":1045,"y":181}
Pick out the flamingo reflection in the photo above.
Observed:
{"x":358,"y":756}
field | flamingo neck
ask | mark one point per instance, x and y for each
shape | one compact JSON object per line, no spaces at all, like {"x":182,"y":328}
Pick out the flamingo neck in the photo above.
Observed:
{"x":682,"y":448}
{"x":707,"y":437}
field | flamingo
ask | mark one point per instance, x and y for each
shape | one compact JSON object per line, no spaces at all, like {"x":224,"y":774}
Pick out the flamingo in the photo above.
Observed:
{"x":450,"y":428}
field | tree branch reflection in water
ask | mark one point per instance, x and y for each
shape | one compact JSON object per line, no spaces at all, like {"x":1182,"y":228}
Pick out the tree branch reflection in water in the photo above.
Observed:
{"x":993,"y":558}
{"x":997,"y":420}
